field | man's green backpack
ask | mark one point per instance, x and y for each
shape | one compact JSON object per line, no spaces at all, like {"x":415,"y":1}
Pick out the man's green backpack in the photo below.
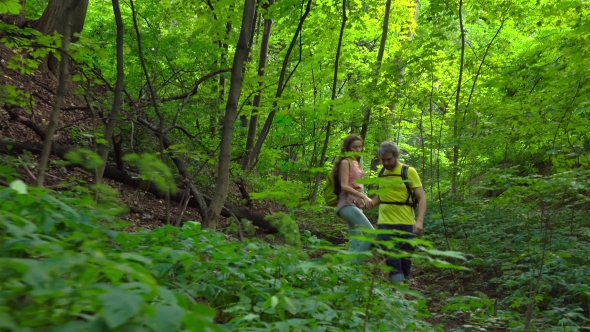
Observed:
{"x":332,"y":188}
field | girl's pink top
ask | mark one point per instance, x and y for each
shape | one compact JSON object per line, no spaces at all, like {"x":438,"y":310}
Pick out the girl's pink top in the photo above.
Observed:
{"x":355,"y":173}
{"x":346,"y":199}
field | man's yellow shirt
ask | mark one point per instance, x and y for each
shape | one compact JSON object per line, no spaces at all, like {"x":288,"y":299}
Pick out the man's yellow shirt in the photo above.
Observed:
{"x":391,"y":214}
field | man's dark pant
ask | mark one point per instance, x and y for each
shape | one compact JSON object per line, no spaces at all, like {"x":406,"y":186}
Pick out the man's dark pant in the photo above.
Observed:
{"x":401,"y":266}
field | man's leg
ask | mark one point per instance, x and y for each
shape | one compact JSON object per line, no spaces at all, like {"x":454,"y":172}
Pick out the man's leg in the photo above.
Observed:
{"x":397,"y":274}
{"x":406,"y":247}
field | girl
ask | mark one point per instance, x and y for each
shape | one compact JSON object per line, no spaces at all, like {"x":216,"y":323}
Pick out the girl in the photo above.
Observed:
{"x":352,"y":199}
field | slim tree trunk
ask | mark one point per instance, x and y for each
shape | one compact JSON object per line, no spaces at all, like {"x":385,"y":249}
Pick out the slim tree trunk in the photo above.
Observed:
{"x":457,"y":98}
{"x":280,"y":87}
{"x":112,"y":122}
{"x":59,"y":96}
{"x":334,"y":92}
{"x":213,"y":117}
{"x":384,"y":32}
{"x":253,"y":125}
{"x":153,"y":100}
{"x":229,"y":119}
{"x":244,"y":119}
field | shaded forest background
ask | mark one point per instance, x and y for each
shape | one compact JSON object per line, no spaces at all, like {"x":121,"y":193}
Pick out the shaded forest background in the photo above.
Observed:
{"x":230,"y":113}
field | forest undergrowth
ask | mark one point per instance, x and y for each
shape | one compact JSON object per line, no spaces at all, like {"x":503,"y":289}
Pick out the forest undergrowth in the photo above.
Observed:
{"x":68,"y":264}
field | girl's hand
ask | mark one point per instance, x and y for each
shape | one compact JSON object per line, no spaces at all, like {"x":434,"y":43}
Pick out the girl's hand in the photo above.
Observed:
{"x":368,"y":202}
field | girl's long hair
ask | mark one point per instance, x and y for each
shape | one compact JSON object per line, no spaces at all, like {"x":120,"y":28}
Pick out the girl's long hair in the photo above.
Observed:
{"x":346,"y":148}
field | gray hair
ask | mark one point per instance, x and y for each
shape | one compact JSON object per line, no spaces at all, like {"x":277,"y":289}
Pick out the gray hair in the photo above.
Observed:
{"x":388,"y":147}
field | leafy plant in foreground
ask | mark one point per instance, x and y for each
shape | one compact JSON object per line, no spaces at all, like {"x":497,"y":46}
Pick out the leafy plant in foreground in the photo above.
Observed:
{"x":65,"y":265}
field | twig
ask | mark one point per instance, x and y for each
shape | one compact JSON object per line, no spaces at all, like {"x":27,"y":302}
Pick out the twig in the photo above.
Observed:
{"x":29,"y":172}
{"x":26,"y":122}
{"x":186,"y":197}
{"x":73,"y":108}
{"x":239,"y":221}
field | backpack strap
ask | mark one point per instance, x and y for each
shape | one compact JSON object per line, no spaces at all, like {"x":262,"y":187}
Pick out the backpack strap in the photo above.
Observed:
{"x":337,"y":186}
{"x":404,"y":175}
{"x":411,"y":199}
{"x":382,"y":175}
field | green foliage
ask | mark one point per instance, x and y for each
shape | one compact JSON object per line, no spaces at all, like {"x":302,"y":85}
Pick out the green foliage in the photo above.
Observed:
{"x":85,"y":158}
{"x":64,"y":264}
{"x":529,"y":237}
{"x":14,"y":96}
{"x":290,"y":193}
{"x":10,"y":6}
{"x":152,"y":169}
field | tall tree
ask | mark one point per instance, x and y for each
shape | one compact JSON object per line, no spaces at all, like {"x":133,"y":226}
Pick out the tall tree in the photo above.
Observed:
{"x":384,"y":31}
{"x":54,"y":19}
{"x":334,"y":94}
{"x":283,"y":79}
{"x":59,"y":97}
{"x":455,"y":168}
{"x":112,"y":120}
{"x":253,"y":125}
{"x":231,"y":109}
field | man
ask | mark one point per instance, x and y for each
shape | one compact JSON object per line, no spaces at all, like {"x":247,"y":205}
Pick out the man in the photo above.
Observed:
{"x":395,"y":208}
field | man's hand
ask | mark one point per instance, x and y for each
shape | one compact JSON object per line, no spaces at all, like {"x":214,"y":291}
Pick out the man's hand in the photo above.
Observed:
{"x":418,"y":227}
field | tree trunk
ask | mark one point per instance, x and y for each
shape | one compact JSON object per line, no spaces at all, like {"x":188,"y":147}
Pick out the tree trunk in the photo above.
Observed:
{"x":153,"y":98}
{"x":384,"y":31}
{"x":229,"y":119}
{"x":117,"y":146}
{"x":54,"y":19}
{"x":59,"y":96}
{"x":334,"y":91}
{"x":54,"y":16}
{"x":253,"y":125}
{"x":455,"y":168}
{"x":280,"y":87}
{"x":112,"y":121}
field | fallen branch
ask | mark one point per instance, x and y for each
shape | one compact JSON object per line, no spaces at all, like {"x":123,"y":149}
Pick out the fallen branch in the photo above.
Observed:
{"x":14,"y":116}
{"x":73,"y":108}
{"x":259,"y":220}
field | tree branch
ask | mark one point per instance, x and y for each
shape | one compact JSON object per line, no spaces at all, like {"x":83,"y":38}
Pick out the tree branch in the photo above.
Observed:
{"x":26,"y":122}
{"x":195,"y":85}
{"x":15,"y":148}
{"x":47,"y":102}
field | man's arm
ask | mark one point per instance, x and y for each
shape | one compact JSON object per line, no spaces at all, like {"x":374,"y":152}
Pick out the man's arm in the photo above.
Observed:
{"x":375,"y":201}
{"x":421,"y":196}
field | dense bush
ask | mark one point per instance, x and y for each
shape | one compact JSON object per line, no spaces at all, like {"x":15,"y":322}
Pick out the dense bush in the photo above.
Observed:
{"x":66,"y":265}
{"x":529,"y":248}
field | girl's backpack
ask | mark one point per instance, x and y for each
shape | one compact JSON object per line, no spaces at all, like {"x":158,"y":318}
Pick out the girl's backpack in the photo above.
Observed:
{"x":332,"y":187}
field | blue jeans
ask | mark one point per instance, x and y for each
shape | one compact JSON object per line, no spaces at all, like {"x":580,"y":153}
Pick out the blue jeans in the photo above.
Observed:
{"x":401,"y":266}
{"x":356,"y":221}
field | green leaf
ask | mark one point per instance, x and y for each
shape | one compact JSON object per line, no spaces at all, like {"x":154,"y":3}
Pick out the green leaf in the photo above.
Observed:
{"x":6,"y":321}
{"x":19,"y":187}
{"x":168,"y":318}
{"x":119,"y":307}
{"x":291,"y":305}
{"x":77,"y":326}
{"x":274,"y":301}
{"x":167,"y":295}
{"x":10,"y":6}
{"x":136,"y":257}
